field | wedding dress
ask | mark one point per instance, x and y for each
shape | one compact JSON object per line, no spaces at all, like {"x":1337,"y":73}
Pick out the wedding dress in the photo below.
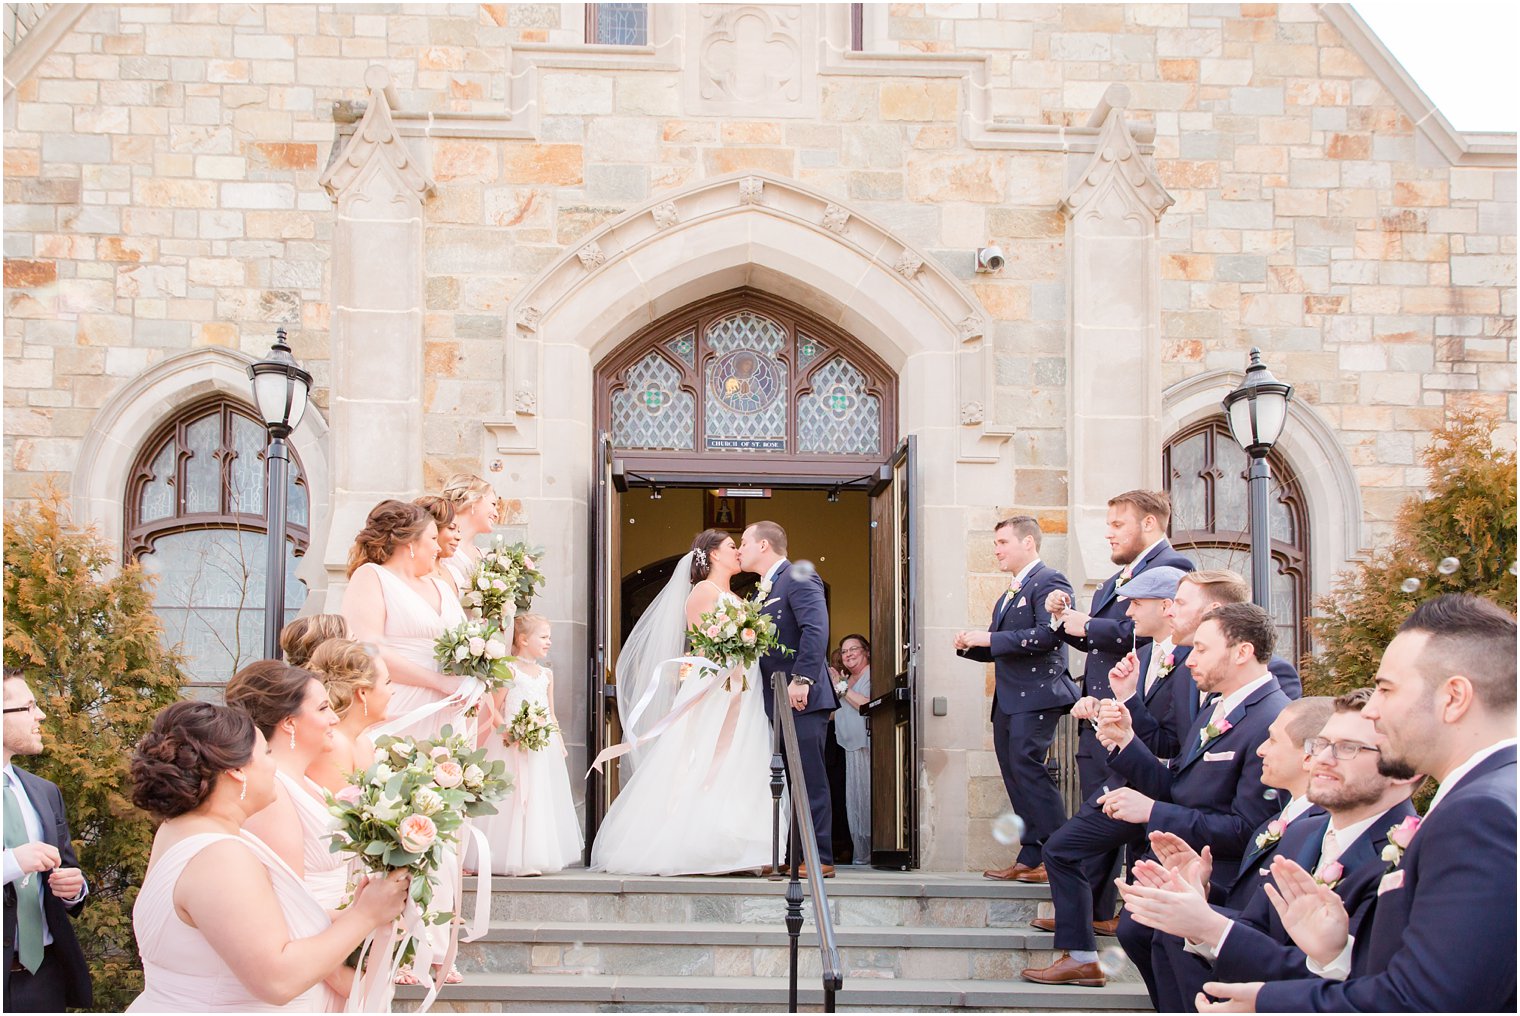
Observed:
{"x":699,"y":800}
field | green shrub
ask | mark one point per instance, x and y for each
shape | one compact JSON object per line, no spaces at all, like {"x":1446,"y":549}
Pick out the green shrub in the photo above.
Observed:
{"x":88,"y":642}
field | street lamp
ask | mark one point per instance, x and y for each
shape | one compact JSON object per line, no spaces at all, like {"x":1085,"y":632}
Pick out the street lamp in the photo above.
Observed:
{"x":280,"y":390}
{"x":1257,"y":412}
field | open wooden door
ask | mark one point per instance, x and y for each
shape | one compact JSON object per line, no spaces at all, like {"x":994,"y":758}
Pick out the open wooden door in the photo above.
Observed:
{"x":895,"y":653}
{"x":603,"y":611}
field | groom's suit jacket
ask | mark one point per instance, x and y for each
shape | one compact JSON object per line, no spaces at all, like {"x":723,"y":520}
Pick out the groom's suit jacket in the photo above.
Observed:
{"x":1031,"y":672}
{"x":802,"y":623}
{"x":1163,"y":717}
{"x":1441,"y":934}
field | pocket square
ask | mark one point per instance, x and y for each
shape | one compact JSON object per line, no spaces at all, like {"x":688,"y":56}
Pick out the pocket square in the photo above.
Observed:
{"x":1023,"y":602}
{"x":1218,"y":756}
{"x":1391,"y":881}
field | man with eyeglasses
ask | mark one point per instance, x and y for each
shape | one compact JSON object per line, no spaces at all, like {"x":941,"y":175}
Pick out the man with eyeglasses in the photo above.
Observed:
{"x":1340,"y":848}
{"x":1440,"y":935}
{"x":45,"y":970}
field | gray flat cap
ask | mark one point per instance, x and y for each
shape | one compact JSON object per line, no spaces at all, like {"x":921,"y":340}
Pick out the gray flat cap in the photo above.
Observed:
{"x":1152,"y":584}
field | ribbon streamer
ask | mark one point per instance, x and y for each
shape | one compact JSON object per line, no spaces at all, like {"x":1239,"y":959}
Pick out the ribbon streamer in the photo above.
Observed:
{"x":670,"y":718}
{"x":468,"y":693}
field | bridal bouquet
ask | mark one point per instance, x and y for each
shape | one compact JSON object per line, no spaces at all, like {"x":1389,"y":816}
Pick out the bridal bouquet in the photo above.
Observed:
{"x":530,"y":727}
{"x":505,"y":581}
{"x":475,"y":649}
{"x":735,"y":635}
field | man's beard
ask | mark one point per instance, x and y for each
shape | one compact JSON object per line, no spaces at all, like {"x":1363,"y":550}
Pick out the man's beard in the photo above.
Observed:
{"x":1345,"y":796}
{"x":1394,"y":768}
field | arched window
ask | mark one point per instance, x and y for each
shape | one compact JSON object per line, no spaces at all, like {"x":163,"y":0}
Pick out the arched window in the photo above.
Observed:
{"x":1205,"y":475}
{"x":196,"y":518}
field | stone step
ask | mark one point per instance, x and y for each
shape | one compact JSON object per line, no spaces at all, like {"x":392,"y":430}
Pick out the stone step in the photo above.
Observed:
{"x":645,"y":993}
{"x":755,"y":950}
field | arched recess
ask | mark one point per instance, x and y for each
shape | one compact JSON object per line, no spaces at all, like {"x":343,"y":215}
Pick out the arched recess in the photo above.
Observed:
{"x":119,"y":428}
{"x":1319,"y":463}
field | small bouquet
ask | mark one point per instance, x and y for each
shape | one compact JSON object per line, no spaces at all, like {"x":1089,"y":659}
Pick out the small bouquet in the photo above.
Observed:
{"x":530,"y":727}
{"x":505,"y":581}
{"x":735,"y":634}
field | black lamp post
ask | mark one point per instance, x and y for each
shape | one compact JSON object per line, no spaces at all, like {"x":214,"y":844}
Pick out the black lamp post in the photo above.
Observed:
{"x":280,"y":390}
{"x":1257,"y":412}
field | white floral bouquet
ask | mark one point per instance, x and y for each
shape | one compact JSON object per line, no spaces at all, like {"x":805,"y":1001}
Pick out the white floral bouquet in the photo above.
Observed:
{"x":477,"y":648}
{"x":735,"y":634}
{"x":505,"y":581}
{"x":530,"y":727}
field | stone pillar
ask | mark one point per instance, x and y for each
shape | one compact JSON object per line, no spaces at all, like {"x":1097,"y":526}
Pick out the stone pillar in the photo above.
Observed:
{"x":1113,"y":211}
{"x":377,"y":308}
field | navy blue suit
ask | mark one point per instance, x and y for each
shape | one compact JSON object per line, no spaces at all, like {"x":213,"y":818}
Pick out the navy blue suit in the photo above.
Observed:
{"x":1160,"y":722}
{"x":1440,"y":935}
{"x":802,"y":623}
{"x":1033,"y":689}
{"x":1211,"y":795}
{"x":1110,"y":634}
{"x":63,"y":979}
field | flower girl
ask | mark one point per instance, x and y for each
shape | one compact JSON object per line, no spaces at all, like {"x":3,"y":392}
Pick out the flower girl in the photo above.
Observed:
{"x":536,"y":830}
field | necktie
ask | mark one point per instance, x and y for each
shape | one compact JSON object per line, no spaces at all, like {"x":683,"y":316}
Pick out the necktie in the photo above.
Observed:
{"x":28,"y":888}
{"x":1329,"y":852}
{"x":1151,"y":668}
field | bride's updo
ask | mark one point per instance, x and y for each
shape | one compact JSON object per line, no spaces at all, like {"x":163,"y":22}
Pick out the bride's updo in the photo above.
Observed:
{"x":702,"y":548}
{"x":391,"y":524}
{"x":177,"y":763}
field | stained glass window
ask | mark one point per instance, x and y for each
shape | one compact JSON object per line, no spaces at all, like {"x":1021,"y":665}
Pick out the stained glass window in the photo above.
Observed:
{"x":838,"y":417}
{"x":746,"y":400}
{"x":618,"y":24}
{"x":684,"y":348}
{"x":196,"y":518}
{"x":653,"y":411}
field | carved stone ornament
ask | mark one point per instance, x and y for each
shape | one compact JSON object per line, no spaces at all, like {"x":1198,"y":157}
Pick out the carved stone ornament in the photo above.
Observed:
{"x":1118,"y":162}
{"x":525,"y":402}
{"x":972,"y":414}
{"x":592,"y":255}
{"x":750,"y":53}
{"x":376,"y":137}
{"x":527,"y":319}
{"x":971,"y":326}
{"x":908,"y":265}
{"x":666,"y":215}
{"x":751,"y":189}
{"x":835,"y":218}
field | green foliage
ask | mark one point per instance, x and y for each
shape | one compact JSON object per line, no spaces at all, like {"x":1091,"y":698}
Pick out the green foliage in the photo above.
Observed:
{"x":1469,"y":515}
{"x":90,"y":647}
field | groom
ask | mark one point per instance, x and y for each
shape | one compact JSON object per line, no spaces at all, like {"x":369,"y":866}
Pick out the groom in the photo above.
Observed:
{"x":802,"y":623}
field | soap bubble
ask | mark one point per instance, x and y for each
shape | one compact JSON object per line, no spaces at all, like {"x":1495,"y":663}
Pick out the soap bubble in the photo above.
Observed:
{"x":1410,"y":585}
{"x":803,"y":570}
{"x":1448,"y":566}
{"x":1008,"y":829}
{"x":1111,"y":961}
{"x":1270,"y":794}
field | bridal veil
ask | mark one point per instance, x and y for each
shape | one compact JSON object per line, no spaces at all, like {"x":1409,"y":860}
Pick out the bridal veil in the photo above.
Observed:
{"x":646,"y":689}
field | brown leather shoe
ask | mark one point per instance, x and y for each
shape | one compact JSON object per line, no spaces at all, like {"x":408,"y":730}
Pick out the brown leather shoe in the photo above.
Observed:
{"x":1109,"y":927}
{"x":1067,"y":971}
{"x":1043,"y":923}
{"x":1035,"y":875}
{"x":1006,"y":874}
{"x":827,"y":869}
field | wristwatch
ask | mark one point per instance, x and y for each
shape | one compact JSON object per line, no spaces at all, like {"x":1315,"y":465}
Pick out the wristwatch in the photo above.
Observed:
{"x":801,"y":679}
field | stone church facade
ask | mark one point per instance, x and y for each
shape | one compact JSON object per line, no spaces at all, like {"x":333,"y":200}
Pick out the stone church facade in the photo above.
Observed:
{"x":461,"y":212}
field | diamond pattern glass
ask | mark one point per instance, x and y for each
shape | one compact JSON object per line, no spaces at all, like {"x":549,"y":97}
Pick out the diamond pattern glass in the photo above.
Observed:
{"x":157,"y":498}
{"x":684,"y":348}
{"x":839,"y":417}
{"x":622,"y":24}
{"x":746,"y":399}
{"x":808,"y":350}
{"x":652,"y":411}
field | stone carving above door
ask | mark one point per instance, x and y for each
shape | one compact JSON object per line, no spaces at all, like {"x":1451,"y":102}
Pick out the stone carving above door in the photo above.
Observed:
{"x":752,"y":59}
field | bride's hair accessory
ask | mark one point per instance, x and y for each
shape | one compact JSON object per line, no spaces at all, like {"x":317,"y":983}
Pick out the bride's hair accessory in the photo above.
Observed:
{"x":700,"y":556}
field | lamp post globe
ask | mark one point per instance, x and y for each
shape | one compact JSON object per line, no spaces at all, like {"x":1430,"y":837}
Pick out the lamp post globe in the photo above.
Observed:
{"x":1257,"y":411}
{"x":281,"y":389}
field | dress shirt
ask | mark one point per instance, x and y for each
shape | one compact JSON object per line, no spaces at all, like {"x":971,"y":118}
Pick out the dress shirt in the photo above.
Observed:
{"x":1227,"y":705}
{"x":1141,"y":557}
{"x":1159,"y":652}
{"x":33,"y":822}
{"x":1294,"y":809}
{"x":1343,"y":838}
{"x":1339,"y":968}
{"x":1018,"y":580}
{"x":769,"y":578}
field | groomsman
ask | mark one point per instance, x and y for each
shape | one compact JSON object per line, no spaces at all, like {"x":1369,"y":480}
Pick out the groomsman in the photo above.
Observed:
{"x":1033,"y":688}
{"x":45,"y":970}
{"x":1137,"y":521}
{"x":1441,"y":933}
{"x":1211,"y":794}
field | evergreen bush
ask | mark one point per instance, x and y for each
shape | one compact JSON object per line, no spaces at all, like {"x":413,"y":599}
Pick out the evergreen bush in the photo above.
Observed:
{"x":89,"y":644}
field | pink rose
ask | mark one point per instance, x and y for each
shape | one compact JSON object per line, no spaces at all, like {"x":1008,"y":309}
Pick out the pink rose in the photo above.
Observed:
{"x":350,"y":794}
{"x":713,"y":631}
{"x":416,"y":833}
{"x":747,"y":636}
{"x":448,"y":774}
{"x":1224,"y":725}
{"x":528,"y":563}
{"x":1275,"y":827}
{"x":439,"y":752}
{"x":1171,"y":659}
{"x":1333,"y":873}
{"x":1401,"y":834}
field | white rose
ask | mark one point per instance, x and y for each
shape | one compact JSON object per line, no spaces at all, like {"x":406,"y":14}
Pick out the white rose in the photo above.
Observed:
{"x":383,"y":772}
{"x":483,"y":582}
{"x":440,"y":752}
{"x":498,"y":584}
{"x":495,"y":650}
{"x":462,"y":653}
{"x":401,"y":749}
{"x":730,"y":630}
{"x":477,"y":645}
{"x":427,"y":801}
{"x":474,"y":776}
{"x":387,"y":808}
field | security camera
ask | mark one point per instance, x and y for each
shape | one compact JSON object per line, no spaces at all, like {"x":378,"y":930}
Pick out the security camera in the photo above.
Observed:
{"x":989,"y":259}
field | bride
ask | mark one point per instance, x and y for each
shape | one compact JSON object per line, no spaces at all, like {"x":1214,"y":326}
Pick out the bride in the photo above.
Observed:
{"x":698,"y":802}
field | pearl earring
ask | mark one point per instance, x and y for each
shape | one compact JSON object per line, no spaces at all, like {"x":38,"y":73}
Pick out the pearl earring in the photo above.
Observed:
{"x":292,"y":738}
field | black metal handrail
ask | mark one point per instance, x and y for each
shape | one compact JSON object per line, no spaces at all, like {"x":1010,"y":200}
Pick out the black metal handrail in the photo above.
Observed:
{"x":789,"y":773}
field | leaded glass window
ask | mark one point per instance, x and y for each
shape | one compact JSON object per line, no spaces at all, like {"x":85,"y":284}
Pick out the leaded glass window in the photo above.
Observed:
{"x":839,"y":415}
{"x":617,"y":24}
{"x":746,"y":403}
{"x":653,"y":411}
{"x":196,"y":519}
{"x":1205,"y":475}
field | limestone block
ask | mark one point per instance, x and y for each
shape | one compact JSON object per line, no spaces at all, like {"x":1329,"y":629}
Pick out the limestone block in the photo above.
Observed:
{"x":956,"y":177}
{"x":1483,"y":270}
{"x":559,"y":164}
{"x":565,"y":92}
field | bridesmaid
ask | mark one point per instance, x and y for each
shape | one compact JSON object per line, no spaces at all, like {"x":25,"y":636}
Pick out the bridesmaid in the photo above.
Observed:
{"x":449,"y":537}
{"x":394,"y":600}
{"x":223,"y":925}
{"x":359,"y":688}
{"x":477,"y":510}
{"x":301,"y":637}
{"x":291,"y":709}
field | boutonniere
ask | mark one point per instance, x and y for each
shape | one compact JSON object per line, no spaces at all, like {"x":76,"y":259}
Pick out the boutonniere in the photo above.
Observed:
{"x":1210,"y":732}
{"x":1124,"y":577}
{"x":763,"y":588}
{"x":1167,"y":665}
{"x":1014,"y":587}
{"x":1399,"y":837}
{"x":1272,"y":835}
{"x":1331,"y":876}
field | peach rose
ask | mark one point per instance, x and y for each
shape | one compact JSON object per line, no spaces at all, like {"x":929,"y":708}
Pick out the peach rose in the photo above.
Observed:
{"x":448,"y":774}
{"x":416,"y":833}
